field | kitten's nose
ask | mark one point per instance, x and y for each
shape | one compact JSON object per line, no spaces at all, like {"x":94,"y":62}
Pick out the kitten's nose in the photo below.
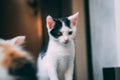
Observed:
{"x":66,"y":41}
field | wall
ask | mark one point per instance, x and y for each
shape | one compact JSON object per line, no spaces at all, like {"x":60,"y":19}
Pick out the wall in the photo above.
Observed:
{"x":117,"y":21}
{"x":103,"y":35}
{"x":81,"y":67}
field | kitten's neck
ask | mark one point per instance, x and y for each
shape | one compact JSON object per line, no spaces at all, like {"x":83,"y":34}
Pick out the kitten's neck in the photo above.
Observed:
{"x":60,"y":48}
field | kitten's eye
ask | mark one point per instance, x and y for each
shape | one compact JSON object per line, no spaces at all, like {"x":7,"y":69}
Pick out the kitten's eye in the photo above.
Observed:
{"x":70,"y":32}
{"x":60,"y":33}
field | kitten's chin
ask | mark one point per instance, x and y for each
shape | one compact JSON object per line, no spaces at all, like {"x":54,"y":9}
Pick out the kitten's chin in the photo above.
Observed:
{"x":66,"y":42}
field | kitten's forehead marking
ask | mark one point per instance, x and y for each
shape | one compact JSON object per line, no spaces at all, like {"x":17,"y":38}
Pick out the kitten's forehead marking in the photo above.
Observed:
{"x":66,"y":21}
{"x":64,"y":28}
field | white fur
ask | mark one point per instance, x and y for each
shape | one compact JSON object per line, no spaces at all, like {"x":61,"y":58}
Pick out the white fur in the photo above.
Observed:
{"x":4,"y":74}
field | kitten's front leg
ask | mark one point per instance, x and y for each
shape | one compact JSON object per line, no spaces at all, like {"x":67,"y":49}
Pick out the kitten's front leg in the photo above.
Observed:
{"x":69,"y":72}
{"x":52,"y":71}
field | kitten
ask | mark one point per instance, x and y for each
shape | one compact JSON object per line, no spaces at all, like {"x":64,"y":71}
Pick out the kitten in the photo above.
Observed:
{"x":15,"y":63}
{"x":56,"y":62}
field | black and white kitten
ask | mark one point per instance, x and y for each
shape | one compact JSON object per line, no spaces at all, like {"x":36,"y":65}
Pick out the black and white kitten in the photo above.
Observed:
{"x":57,"y":62}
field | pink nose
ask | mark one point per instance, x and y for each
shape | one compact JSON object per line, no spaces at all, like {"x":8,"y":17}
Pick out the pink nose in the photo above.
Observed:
{"x":66,"y":41}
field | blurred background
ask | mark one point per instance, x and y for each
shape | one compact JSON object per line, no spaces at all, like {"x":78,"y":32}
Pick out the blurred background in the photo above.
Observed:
{"x":98,"y":35}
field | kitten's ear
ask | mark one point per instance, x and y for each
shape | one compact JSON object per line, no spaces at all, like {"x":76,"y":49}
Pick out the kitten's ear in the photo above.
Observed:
{"x":74,"y":19}
{"x":19,"y":40}
{"x":50,"y":22}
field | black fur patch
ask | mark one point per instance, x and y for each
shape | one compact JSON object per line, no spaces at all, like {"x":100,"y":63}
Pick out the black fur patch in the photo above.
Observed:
{"x":66,"y":21}
{"x":44,"y":50}
{"x":55,"y":32}
{"x":58,"y":25}
{"x":24,"y":71}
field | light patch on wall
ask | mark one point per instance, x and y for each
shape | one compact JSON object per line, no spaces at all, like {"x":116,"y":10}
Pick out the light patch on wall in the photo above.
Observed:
{"x":117,"y":20}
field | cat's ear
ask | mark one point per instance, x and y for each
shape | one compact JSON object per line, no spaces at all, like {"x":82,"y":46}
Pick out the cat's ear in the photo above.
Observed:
{"x":19,"y":40}
{"x":50,"y":22}
{"x":74,"y":19}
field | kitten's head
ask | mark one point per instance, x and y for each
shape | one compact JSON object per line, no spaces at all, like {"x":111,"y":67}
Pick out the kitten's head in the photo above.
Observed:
{"x":62,"y":30}
{"x":14,"y":60}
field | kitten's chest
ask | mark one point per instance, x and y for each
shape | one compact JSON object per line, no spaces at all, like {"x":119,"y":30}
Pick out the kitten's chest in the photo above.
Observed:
{"x":63,"y":63}
{"x":60,"y":54}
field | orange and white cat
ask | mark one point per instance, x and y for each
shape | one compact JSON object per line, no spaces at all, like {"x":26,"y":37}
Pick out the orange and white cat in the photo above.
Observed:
{"x":15,"y":62}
